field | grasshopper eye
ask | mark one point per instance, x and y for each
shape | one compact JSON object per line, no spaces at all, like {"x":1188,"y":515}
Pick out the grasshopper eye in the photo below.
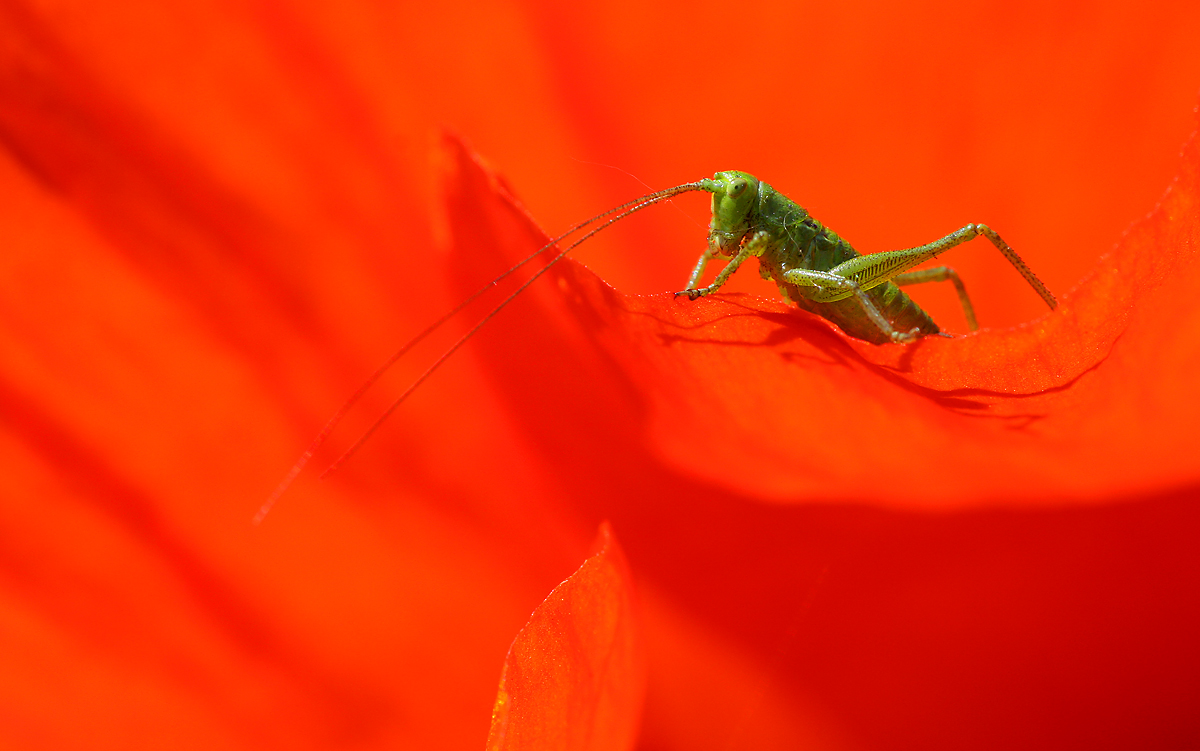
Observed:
{"x":737,"y":187}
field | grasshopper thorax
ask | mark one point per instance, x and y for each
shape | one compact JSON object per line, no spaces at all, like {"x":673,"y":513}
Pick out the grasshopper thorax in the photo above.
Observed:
{"x":735,"y":196}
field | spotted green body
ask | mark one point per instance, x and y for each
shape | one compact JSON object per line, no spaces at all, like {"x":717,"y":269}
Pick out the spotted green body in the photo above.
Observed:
{"x":797,"y":240}
{"x":822,"y":273}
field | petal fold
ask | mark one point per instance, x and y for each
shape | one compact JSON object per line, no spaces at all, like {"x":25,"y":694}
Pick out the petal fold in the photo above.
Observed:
{"x":574,"y":677}
{"x":1085,"y":403}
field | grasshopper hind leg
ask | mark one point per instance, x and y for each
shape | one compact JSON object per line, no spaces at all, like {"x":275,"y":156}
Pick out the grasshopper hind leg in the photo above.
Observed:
{"x":830,"y":287}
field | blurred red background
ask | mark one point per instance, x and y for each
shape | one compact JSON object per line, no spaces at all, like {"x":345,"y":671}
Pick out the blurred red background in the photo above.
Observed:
{"x":218,"y":217}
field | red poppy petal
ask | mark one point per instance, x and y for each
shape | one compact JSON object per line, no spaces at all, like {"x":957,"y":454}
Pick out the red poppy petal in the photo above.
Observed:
{"x":573,"y":678}
{"x":1086,"y":402}
{"x":176,"y":322}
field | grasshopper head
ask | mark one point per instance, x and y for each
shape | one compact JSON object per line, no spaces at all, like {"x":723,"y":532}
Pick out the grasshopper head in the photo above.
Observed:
{"x":735,"y":196}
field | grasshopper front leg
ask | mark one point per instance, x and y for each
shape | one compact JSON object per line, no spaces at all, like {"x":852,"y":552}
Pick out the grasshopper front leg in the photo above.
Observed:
{"x":697,"y":272}
{"x":752,"y":249}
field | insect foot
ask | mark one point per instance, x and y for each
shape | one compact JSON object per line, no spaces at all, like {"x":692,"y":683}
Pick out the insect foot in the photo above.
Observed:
{"x":692,"y":294}
{"x":911,"y":335}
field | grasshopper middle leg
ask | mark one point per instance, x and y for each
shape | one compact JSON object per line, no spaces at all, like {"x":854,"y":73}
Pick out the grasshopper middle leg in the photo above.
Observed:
{"x":941,"y":274}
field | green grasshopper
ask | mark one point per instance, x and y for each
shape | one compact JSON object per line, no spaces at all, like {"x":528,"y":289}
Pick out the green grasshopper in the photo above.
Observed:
{"x":813,"y":267}
{"x":821,"y":273}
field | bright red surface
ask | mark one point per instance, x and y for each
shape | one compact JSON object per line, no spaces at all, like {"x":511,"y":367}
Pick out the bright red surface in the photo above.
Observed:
{"x":218,"y":217}
{"x":792,"y":409}
{"x":575,"y":675}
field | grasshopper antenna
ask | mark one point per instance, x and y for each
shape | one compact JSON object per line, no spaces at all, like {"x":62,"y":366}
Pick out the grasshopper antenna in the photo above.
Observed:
{"x":625,"y":210}
{"x":621,"y":212}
